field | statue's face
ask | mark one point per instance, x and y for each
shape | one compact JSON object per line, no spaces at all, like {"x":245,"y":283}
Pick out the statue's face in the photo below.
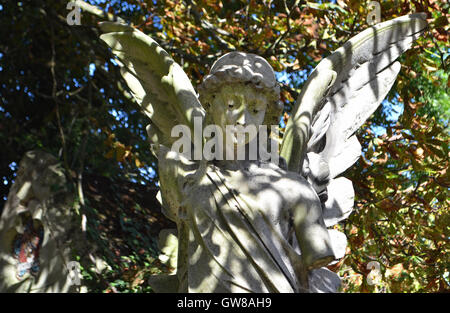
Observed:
{"x":238,"y":105}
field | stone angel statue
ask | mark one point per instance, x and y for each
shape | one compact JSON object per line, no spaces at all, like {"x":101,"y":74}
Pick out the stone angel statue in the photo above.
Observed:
{"x":252,"y":224}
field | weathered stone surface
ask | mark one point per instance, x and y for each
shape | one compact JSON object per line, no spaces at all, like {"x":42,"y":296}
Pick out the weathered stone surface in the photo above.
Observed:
{"x":322,"y":280}
{"x":339,"y":204}
{"x":164,"y":283}
{"x":339,"y":243}
{"x":168,"y":244}
{"x":37,"y":229}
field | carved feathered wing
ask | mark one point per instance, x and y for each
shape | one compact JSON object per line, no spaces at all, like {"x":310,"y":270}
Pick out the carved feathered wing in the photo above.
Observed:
{"x":158,"y":83}
{"x":366,"y":70}
{"x":342,"y":92}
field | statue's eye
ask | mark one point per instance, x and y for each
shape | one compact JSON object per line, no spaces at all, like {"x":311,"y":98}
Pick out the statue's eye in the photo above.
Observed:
{"x":255,"y":111}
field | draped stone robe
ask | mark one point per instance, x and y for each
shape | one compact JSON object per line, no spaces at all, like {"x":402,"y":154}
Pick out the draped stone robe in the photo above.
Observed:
{"x":233,"y":225}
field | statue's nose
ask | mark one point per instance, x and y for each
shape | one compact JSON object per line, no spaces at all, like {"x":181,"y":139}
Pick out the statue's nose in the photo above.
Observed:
{"x":242,"y":119}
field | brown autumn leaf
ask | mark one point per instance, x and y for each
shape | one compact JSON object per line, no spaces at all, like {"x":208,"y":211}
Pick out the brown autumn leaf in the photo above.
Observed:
{"x":138,"y":163}
{"x":120,"y":152}
{"x":394,"y":271}
{"x":109,"y":154}
{"x":387,"y":205}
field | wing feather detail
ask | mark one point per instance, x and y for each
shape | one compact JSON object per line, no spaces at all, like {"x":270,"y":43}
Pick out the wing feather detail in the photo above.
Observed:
{"x":342,"y":92}
{"x":157,"y":82}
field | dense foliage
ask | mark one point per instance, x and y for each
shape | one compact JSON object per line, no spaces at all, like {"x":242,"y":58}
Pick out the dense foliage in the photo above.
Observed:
{"x":60,"y":91}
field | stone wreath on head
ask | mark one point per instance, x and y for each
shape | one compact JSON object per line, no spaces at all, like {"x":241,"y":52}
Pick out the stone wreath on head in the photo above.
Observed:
{"x":247,"y":68}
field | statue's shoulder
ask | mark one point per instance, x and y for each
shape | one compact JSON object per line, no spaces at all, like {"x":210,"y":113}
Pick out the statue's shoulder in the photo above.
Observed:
{"x":259,"y":178}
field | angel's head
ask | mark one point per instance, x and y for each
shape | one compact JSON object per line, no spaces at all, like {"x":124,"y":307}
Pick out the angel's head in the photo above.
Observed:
{"x":241,"y":89}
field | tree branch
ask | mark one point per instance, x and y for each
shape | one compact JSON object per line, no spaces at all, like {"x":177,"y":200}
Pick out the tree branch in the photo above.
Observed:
{"x":98,"y":12}
{"x":288,"y":28}
{"x":213,"y":31}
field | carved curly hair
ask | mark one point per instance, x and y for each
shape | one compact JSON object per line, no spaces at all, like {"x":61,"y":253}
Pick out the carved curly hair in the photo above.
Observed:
{"x":247,"y":68}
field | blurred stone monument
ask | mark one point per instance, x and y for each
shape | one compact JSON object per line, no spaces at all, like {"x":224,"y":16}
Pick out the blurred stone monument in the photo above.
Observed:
{"x":38,"y":230}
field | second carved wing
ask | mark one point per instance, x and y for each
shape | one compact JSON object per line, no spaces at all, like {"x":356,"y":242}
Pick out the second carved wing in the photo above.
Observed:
{"x":342,"y":92}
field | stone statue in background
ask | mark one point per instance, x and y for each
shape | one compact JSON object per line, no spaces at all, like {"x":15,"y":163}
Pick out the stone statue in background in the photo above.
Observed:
{"x":37,"y":228}
{"x":41,"y":233}
{"x":250,"y":225}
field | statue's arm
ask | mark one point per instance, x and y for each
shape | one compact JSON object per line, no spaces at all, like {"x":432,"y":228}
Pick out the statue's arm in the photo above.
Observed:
{"x":310,"y":230}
